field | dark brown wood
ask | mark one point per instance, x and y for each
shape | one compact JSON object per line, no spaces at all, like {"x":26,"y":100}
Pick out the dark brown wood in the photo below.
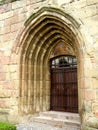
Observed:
{"x":64,"y":91}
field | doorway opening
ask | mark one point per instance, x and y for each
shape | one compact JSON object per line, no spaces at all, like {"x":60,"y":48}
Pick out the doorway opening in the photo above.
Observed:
{"x":64,"y":90}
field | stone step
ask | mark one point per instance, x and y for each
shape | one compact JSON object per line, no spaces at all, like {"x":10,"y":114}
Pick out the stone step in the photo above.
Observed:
{"x":62,"y":120}
{"x":61,"y":115}
{"x":40,"y":126}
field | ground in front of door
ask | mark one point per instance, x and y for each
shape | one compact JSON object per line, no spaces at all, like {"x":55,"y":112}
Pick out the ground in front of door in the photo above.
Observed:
{"x":40,"y":126}
{"x":51,"y":120}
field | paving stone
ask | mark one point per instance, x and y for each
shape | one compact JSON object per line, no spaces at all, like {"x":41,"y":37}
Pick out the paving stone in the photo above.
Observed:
{"x":39,"y":126}
{"x":52,"y":120}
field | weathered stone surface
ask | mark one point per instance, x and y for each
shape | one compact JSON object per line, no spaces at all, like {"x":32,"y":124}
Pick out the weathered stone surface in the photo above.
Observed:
{"x":93,"y":122}
{"x":18,"y":4}
{"x":4,"y":103}
{"x":25,"y":48}
{"x":6,"y":1}
{"x":91,"y":2}
{"x":88,"y":128}
{"x":89,"y":21}
{"x":95,"y":108}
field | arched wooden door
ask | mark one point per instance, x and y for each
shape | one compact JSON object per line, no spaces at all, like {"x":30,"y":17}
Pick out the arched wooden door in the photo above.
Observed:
{"x":64,"y":90}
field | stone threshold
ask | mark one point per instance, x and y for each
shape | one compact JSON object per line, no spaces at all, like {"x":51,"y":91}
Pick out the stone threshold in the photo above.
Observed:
{"x":59,"y":119}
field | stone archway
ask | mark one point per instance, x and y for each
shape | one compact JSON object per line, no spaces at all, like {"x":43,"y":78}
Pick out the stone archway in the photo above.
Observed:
{"x":41,"y":32}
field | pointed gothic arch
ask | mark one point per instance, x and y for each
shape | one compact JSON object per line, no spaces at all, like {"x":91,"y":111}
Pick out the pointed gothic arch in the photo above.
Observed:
{"x":40,"y":33}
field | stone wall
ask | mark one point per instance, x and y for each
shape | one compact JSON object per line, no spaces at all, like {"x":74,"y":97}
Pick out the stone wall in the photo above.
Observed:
{"x":12,"y":21}
{"x":12,"y":18}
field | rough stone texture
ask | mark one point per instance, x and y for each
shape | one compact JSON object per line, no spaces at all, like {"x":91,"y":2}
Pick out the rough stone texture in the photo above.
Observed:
{"x":51,"y":120}
{"x":16,"y":20}
{"x":40,"y":126}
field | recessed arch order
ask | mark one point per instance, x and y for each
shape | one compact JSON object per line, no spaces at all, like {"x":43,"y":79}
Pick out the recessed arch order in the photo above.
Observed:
{"x":40,"y":33}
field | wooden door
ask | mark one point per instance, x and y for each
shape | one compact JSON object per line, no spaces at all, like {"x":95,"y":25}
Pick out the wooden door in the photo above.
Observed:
{"x":64,"y":92}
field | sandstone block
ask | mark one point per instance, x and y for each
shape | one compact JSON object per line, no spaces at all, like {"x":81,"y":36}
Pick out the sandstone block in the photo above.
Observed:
{"x":2,"y":76}
{"x":8,"y":77}
{"x":5,"y":60}
{"x":91,"y":10}
{"x":94,"y":83}
{"x":18,"y":4}
{"x":16,"y":84}
{"x":6,"y":15}
{"x":14,"y":68}
{"x":1,"y":68}
{"x":90,"y":95}
{"x":1,"y":23}
{"x":16,"y":27}
{"x":14,"y":59}
{"x":7,"y":53}
{"x":5,"y":30}
{"x":14,"y":75}
{"x":92,"y":27}
{"x":4,"y":104}
{"x":6,"y":37}
{"x":97,"y":93}
{"x":1,"y":53}
{"x":28,"y":2}
{"x":34,"y":6}
{"x":91,"y":2}
{"x":95,"y":107}
{"x":15,"y":19}
{"x":8,"y":85}
{"x":96,"y":114}
{"x":19,"y":11}
{"x":62,"y":2}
